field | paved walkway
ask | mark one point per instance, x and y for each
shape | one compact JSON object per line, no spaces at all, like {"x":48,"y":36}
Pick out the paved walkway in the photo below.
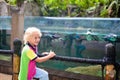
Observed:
{"x":5,"y":76}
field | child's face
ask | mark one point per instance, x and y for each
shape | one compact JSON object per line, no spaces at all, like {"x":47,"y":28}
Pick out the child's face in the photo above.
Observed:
{"x":34,"y":39}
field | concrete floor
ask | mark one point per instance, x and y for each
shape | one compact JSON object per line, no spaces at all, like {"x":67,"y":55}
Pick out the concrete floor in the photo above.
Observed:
{"x":5,"y":76}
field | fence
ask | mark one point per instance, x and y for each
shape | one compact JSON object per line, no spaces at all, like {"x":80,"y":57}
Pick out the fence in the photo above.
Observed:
{"x":6,"y":65}
{"x":109,"y":59}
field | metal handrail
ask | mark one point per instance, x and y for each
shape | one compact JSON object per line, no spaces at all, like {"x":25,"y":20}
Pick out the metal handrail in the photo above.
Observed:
{"x":6,"y":51}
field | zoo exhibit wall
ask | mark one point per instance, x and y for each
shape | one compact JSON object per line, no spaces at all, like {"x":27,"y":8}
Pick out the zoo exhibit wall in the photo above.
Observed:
{"x":73,"y":37}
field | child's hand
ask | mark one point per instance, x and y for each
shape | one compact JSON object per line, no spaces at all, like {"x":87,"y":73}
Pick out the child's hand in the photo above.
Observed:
{"x":51,"y":54}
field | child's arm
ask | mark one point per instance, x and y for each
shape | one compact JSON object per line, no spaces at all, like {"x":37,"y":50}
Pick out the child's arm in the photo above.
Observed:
{"x":45,"y":58}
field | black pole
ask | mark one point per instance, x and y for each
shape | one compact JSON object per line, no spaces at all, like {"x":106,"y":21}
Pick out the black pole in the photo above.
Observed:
{"x":17,"y":46}
{"x":110,"y":54}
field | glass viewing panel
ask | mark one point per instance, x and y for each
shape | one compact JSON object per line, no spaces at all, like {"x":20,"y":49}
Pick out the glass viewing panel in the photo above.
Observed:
{"x":5,"y":30}
{"x":73,"y":37}
{"x":76,"y":37}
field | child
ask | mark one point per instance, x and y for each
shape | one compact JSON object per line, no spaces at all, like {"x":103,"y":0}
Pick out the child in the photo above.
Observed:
{"x":28,"y":68}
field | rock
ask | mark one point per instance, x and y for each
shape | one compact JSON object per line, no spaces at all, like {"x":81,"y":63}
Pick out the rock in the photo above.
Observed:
{"x":3,"y":8}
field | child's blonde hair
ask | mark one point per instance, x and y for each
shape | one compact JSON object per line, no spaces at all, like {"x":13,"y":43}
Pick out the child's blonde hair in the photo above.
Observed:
{"x":29,"y":31}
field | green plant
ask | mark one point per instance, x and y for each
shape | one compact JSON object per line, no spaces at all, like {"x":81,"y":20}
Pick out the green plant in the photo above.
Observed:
{"x":74,"y":8}
{"x":87,"y":70}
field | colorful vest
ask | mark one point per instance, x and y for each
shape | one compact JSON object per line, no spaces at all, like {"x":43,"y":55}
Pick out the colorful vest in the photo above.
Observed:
{"x":27,"y":63}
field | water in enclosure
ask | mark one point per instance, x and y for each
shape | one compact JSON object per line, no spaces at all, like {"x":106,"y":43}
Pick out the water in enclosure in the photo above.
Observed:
{"x":73,"y":37}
